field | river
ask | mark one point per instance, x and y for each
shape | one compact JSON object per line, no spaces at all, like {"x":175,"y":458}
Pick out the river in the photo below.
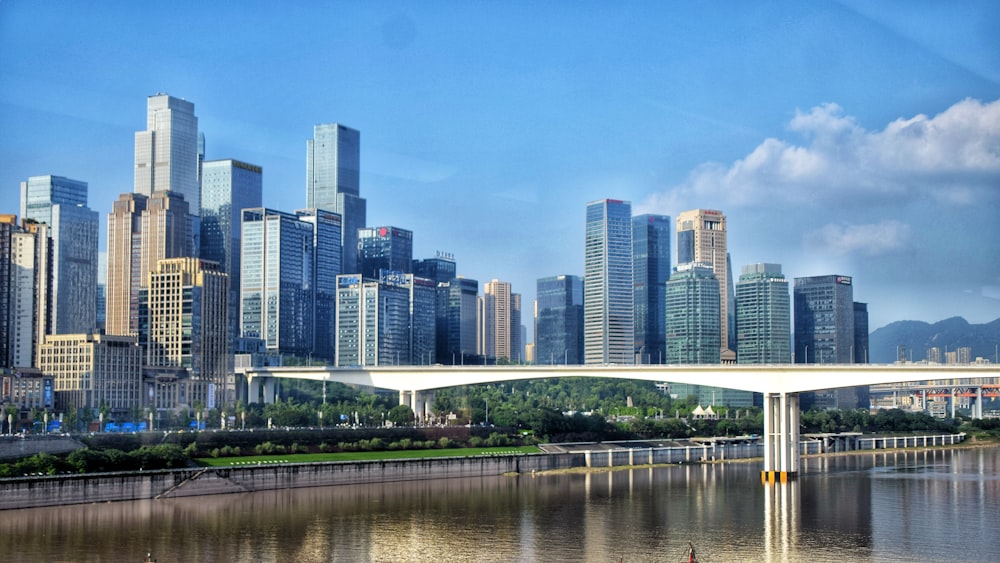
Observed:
{"x":931,"y":505}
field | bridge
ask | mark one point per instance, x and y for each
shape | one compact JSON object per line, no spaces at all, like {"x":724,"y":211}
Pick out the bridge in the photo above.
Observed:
{"x":780,"y":386}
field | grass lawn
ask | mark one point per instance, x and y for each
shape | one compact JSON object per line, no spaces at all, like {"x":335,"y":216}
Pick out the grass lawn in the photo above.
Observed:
{"x":358,"y":456}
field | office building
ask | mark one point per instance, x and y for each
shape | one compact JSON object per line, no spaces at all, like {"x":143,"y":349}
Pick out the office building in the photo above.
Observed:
{"x":440,"y":269}
{"x":91,"y":370}
{"x":500,"y":322}
{"x":61,"y":203}
{"x":373,"y":320}
{"x":27,"y":295}
{"x":167,"y":153}
{"x":650,"y":272}
{"x":692,"y":323}
{"x":608,"y":311}
{"x":457,"y":342}
{"x":141,"y":231}
{"x":28,"y":391}
{"x":559,"y":320}
{"x":183,"y":324}
{"x":763,"y":316}
{"x":860,"y":347}
{"x":227,"y":188}
{"x":423,"y":320}
{"x":333,"y":177}
{"x":701,"y":238}
{"x":824,"y":313}
{"x":326,"y":251}
{"x":384,"y":248}
{"x":277,"y":298}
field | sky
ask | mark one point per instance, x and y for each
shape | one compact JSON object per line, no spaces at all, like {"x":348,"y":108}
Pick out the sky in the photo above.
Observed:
{"x":854,"y":138}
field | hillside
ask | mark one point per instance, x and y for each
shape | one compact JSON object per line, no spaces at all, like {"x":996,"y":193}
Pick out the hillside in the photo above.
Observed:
{"x":918,"y":336}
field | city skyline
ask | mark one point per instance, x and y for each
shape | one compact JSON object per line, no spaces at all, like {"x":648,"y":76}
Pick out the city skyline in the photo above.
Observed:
{"x":848,"y":138}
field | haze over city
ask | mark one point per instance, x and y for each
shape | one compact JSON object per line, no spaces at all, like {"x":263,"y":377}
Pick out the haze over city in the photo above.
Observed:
{"x":837,"y":137}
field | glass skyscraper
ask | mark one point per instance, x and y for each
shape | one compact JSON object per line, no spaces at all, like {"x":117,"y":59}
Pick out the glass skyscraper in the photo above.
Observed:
{"x":333,"y":178}
{"x":374,"y":320}
{"x":559,"y":321}
{"x":277,"y":299}
{"x":763,"y":316}
{"x":383,"y":248}
{"x":650,"y":270}
{"x":166,"y":153}
{"x":701,"y":238}
{"x":227,"y":188}
{"x":608,"y":312}
{"x":692,"y":324}
{"x":326,"y":238}
{"x":61,"y":203}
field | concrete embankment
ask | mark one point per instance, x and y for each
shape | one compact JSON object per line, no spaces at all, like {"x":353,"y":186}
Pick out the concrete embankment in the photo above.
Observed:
{"x":28,"y":492}
{"x":16,"y":447}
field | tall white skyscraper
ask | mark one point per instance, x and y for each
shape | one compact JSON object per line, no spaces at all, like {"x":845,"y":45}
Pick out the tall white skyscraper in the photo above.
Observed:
{"x":166,"y":153}
{"x":608,"y":322}
{"x":333,"y":172}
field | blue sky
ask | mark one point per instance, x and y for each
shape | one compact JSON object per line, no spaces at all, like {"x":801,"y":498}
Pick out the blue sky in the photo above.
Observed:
{"x":855,"y":138}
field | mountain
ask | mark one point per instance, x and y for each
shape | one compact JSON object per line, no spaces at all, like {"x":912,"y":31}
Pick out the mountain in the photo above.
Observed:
{"x":948,"y":335}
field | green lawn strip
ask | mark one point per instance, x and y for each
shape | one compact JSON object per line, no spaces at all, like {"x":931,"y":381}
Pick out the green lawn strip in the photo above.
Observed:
{"x":360,"y":456}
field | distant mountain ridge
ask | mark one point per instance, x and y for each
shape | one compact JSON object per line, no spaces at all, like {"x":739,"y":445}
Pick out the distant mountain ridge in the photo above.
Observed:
{"x":918,"y":336}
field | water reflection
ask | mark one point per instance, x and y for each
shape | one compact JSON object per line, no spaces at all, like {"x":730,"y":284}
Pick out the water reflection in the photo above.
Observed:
{"x":886,"y":507}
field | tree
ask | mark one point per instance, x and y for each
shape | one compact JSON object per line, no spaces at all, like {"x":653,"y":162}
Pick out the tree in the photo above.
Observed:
{"x":401,"y":415}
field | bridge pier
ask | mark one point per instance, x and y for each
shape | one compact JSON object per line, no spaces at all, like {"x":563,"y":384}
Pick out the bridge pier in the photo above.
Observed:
{"x":781,"y":437}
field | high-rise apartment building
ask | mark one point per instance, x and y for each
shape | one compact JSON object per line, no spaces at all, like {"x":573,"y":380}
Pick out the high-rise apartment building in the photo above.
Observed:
{"x":384,"y":248}
{"x":763,"y":316}
{"x":227,"y":188}
{"x":61,"y":203}
{"x":701,"y":238}
{"x":333,"y":178}
{"x":166,"y":153}
{"x":559,"y":320}
{"x":184,"y":321}
{"x":141,"y":231}
{"x":326,"y":239}
{"x":26,"y":295}
{"x":500,"y":322}
{"x":91,"y":370}
{"x":277,"y":298}
{"x":608,"y":311}
{"x":650,"y":272}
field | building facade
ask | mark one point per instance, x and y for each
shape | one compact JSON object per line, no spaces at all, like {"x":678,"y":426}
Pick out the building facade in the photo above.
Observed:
{"x":763,"y":316}
{"x":384,"y":248}
{"x":227,"y":188}
{"x":650,"y":271}
{"x":92,"y":371}
{"x":61,"y":203}
{"x":333,"y":179}
{"x":559,"y":320}
{"x":184,"y":322}
{"x":692,"y":324}
{"x":608,"y":311}
{"x":500,"y":322}
{"x":167,"y":153}
{"x":701,"y":238}
{"x":326,"y":237}
{"x":277,"y":297}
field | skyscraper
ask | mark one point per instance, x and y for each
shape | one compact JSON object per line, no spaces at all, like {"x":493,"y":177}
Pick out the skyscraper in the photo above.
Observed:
{"x":26,"y":294}
{"x":277,"y":298}
{"x":559,"y":321}
{"x":440,"y":269}
{"x":333,"y":177}
{"x":692,"y":324}
{"x":824,"y":334}
{"x":763,"y":316}
{"x":166,"y":153}
{"x":650,"y":270}
{"x":608,"y":312}
{"x":500,"y":322}
{"x":458,"y":343}
{"x":184,"y":321}
{"x":701,"y":238}
{"x":61,"y":203}
{"x":326,"y":239}
{"x":373,"y":320}
{"x":383,"y":248}
{"x":141,"y":232}
{"x":227,"y":188}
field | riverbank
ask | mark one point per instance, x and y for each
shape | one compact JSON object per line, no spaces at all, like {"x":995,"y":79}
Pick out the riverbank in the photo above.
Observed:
{"x":28,"y":492}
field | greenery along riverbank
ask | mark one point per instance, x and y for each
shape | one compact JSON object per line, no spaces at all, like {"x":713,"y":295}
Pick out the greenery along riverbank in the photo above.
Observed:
{"x":159,"y":450}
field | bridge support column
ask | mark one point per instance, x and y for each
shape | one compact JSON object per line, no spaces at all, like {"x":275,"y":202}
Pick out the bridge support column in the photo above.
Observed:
{"x":269,"y":390}
{"x":253,"y":390}
{"x":781,"y":437}
{"x":977,"y":411}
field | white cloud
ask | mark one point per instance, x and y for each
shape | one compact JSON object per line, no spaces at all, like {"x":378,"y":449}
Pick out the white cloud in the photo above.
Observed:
{"x":953,"y":158}
{"x":869,"y":240}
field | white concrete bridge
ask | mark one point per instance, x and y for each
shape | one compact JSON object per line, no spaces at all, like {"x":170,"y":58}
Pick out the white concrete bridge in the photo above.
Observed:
{"x":779,"y":384}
